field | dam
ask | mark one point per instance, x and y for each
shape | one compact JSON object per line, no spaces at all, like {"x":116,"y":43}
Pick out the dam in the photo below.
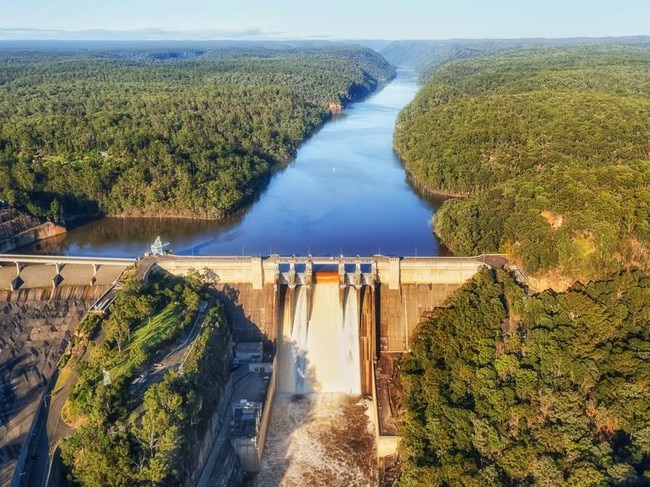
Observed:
{"x":334,"y":327}
{"x":391,"y":293}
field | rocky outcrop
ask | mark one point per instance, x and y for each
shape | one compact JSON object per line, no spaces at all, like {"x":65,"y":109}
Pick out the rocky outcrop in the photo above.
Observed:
{"x":334,"y":107}
{"x":18,"y":229}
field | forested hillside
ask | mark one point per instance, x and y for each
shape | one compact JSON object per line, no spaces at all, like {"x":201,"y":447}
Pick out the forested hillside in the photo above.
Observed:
{"x":186,"y":131}
{"x":551,"y":148}
{"x":427,"y":56}
{"x":507,"y":389}
{"x":137,"y":432}
{"x":549,"y":152}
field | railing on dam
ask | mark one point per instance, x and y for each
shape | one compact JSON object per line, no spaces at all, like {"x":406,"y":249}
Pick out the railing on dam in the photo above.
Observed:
{"x":357,"y":270}
{"x":63,"y":259}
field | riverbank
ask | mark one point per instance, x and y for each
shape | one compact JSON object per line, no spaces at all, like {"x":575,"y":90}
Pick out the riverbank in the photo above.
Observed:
{"x":252,"y":193}
{"x":196,"y":136}
{"x":344,"y":193}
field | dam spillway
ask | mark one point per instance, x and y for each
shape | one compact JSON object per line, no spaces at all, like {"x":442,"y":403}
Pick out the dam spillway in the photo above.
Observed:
{"x":393,"y":291}
{"x":328,"y":317}
{"x":331,"y":322}
{"x":318,"y":350}
{"x":337,"y":326}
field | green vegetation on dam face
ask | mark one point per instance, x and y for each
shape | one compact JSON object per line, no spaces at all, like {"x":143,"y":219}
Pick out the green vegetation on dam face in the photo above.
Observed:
{"x":551,"y":148}
{"x":181,"y":130}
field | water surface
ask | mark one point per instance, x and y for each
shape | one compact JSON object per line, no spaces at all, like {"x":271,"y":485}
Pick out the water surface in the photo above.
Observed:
{"x":345,"y":193}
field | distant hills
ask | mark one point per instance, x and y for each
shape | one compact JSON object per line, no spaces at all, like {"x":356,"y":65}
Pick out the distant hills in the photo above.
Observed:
{"x":26,"y":33}
{"x":425,"y":56}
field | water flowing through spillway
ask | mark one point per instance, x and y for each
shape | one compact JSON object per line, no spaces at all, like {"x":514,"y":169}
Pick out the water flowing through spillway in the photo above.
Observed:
{"x":320,"y":432}
{"x":320,"y":343}
{"x":350,"y":360}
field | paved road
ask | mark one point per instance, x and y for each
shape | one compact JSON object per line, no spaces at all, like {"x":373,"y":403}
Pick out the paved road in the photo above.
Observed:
{"x":33,"y":472}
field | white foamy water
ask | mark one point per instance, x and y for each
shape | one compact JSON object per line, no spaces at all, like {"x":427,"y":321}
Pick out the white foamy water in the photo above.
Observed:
{"x":320,"y":352}
{"x":319,"y":440}
{"x":320,"y":433}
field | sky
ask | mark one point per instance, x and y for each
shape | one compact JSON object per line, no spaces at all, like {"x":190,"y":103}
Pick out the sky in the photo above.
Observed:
{"x":322,"y":19}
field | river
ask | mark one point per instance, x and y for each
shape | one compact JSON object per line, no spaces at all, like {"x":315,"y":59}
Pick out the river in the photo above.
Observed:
{"x":345,"y":193}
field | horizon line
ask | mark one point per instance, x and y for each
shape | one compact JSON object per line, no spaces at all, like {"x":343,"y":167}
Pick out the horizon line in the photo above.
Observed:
{"x":154,"y":34}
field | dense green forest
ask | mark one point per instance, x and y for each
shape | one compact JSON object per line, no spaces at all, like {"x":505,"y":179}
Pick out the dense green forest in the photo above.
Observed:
{"x":427,"y":56}
{"x":133,"y":432}
{"x":506,"y":389}
{"x":551,"y":149}
{"x":548,"y":151}
{"x":187,"y":131}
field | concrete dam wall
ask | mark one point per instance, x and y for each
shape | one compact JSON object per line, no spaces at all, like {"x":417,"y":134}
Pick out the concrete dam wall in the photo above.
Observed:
{"x":393,"y":292}
{"x":41,"y":304}
{"x":335,"y":324}
{"x":330,"y":322}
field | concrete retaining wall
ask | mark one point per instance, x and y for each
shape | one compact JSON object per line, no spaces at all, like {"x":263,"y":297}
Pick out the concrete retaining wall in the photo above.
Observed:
{"x":266,"y":412}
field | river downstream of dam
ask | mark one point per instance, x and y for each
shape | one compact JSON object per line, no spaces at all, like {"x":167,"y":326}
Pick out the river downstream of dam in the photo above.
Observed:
{"x":345,"y":193}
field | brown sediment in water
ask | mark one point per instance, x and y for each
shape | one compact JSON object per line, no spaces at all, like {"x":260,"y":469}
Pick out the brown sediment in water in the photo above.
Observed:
{"x":319,"y":440}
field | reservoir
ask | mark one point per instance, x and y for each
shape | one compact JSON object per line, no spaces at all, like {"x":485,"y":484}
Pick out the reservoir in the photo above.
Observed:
{"x":345,"y":193}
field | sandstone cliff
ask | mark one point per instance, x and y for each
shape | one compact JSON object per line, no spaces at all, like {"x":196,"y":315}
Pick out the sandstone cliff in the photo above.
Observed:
{"x":18,"y":229}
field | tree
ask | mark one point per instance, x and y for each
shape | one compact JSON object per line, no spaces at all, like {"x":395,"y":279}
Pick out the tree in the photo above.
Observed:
{"x":546,"y":395}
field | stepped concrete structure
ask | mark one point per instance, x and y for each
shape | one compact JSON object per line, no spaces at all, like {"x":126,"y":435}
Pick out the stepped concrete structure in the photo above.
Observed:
{"x":42,"y":300}
{"x":371,"y":304}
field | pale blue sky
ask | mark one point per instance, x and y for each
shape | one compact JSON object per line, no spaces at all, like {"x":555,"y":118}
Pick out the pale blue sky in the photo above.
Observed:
{"x":330,"y":19}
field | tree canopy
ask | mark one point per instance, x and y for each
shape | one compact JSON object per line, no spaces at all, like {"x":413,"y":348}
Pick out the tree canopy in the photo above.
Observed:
{"x":502,"y":388}
{"x":550,"y":147}
{"x":186,"y":131}
{"x":548,"y":151}
{"x":136,"y":433}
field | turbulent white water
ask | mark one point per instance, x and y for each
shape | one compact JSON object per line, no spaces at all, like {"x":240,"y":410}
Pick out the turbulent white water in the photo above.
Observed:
{"x":319,"y":440}
{"x":320,"y":352}
{"x":298,"y":373}
{"x":349,"y":350}
{"x":320,"y":433}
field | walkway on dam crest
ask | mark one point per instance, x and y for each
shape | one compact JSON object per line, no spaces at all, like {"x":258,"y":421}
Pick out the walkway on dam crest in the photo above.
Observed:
{"x":40,"y":271}
{"x":297,"y":270}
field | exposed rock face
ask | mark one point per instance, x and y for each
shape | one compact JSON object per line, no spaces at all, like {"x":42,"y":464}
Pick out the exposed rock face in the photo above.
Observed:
{"x":334,"y":107}
{"x":18,"y":229}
